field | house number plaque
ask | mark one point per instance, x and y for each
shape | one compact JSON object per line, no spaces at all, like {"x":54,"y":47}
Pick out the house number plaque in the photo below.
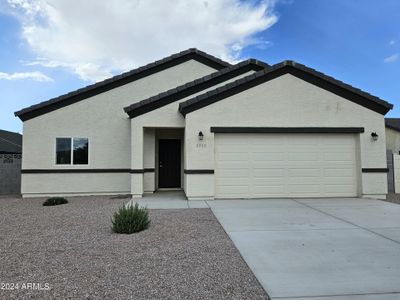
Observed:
{"x":201,"y":145}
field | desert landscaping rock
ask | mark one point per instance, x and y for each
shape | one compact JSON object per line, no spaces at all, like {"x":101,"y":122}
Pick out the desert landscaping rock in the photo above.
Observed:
{"x":185,"y":254}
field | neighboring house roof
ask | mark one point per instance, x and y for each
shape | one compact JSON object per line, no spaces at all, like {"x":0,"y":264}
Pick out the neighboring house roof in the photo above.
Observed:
{"x":119,"y":80}
{"x":10,"y":142}
{"x":301,"y":71}
{"x":393,"y":123}
{"x":193,"y":87}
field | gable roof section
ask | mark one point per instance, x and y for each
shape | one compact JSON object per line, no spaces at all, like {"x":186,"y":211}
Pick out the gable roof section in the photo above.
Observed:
{"x":393,"y":123}
{"x":10,"y":142}
{"x":190,"y":88}
{"x":119,"y":80}
{"x":298,"y":70}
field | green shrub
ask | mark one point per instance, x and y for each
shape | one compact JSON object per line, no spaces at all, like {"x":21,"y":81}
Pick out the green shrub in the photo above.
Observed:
{"x":55,"y":201}
{"x":130,"y":219}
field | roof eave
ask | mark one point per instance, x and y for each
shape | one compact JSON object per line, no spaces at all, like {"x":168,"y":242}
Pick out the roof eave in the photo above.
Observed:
{"x":180,"y":92}
{"x":116,"y":81}
{"x":313,"y":77}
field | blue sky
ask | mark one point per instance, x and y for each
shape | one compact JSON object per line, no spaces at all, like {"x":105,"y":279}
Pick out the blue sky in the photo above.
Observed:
{"x":355,"y":41}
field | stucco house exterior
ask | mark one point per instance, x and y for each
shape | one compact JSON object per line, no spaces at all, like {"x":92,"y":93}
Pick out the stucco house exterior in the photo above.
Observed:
{"x":194,"y":122}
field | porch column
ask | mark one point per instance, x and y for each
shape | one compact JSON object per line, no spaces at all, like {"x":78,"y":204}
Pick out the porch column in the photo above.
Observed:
{"x":136,"y":160}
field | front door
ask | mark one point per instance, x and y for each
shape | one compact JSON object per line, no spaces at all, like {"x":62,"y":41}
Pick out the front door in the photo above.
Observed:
{"x":169,"y":163}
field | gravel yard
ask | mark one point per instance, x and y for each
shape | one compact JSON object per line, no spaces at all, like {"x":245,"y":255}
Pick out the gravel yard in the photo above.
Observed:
{"x":185,"y":254}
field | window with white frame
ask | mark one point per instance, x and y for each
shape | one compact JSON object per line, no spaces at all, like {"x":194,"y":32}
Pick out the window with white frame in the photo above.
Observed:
{"x":73,"y":151}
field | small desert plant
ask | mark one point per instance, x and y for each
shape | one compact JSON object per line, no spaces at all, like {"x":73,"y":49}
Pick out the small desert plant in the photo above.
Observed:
{"x":55,"y":201}
{"x":130,"y":219}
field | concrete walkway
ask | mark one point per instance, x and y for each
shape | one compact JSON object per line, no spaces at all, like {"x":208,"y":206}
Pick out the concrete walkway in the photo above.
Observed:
{"x":318,"y":249}
{"x":168,"y":200}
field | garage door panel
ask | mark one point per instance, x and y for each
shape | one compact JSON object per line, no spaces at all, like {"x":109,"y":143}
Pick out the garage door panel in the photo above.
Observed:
{"x":233,"y":181}
{"x":338,"y":172}
{"x":338,"y":140}
{"x":261,"y":142}
{"x":299,"y":189}
{"x":231,"y":164}
{"x":304,"y":180}
{"x":233,"y":191}
{"x":301,"y":139}
{"x":342,"y":181}
{"x":335,"y":188}
{"x":271,"y":172}
{"x":270,"y":181}
{"x":303,"y":172}
{"x":285,"y":165}
{"x":267,"y":156}
{"x":272,"y":190}
{"x":233,"y":156}
{"x":338,"y":156}
{"x":234,"y":173}
{"x":303,"y":156}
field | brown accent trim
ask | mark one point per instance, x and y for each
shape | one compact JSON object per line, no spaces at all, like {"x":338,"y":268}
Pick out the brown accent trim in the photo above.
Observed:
{"x":287,"y":67}
{"x":287,"y":129}
{"x":51,"y":171}
{"x":119,"y":80}
{"x":199,"y":171}
{"x":55,"y":171}
{"x":375,"y":170}
{"x":5,"y":152}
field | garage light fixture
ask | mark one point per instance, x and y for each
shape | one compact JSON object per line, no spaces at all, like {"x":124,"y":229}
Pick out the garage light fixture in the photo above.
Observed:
{"x":374,"y":136}
{"x":201,"y":136}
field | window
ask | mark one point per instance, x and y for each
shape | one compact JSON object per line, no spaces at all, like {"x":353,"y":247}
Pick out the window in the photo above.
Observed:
{"x":63,"y":151}
{"x":75,"y":150}
{"x":81,"y":147}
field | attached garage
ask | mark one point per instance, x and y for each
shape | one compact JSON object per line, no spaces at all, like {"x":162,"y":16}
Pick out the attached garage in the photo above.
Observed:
{"x":285,"y":165}
{"x":288,"y":132}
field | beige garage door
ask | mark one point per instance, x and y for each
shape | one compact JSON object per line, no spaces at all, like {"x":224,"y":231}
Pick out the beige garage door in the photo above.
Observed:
{"x":285,"y":165}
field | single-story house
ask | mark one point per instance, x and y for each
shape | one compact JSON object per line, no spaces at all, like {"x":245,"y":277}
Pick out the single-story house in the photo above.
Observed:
{"x":10,"y":162}
{"x":194,"y":122}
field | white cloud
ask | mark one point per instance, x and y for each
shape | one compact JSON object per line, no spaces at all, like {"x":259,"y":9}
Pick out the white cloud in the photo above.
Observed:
{"x":392,"y":58}
{"x":392,"y":42}
{"x":36,"y":76}
{"x":96,"y":38}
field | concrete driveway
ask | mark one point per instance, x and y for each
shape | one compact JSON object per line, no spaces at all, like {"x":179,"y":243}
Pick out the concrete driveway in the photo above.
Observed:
{"x":318,"y":249}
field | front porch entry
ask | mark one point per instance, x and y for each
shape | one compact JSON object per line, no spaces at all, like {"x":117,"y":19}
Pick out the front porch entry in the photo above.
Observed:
{"x":162,"y":159}
{"x":157,"y":160}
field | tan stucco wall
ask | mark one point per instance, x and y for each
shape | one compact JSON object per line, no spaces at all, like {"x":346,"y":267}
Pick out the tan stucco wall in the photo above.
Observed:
{"x":115,"y":141}
{"x":101,"y":119}
{"x":285,"y":102}
{"x":167,"y":116}
{"x":392,"y":140}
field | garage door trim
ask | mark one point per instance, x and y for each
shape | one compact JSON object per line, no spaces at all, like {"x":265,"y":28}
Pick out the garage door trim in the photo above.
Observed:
{"x":350,"y":130}
{"x":252,"y":165}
